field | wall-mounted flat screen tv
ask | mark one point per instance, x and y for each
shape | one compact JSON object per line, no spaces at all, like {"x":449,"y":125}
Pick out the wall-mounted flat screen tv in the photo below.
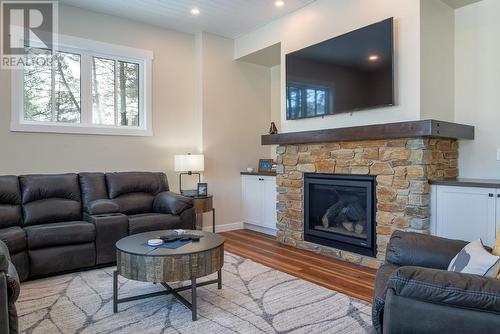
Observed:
{"x":347,"y":73}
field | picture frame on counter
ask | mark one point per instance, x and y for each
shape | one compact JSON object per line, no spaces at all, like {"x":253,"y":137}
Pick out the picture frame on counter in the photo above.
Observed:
{"x":265,"y":165}
{"x":202,"y":189}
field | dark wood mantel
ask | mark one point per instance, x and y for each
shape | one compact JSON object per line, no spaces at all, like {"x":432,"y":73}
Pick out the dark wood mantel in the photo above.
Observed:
{"x":411,"y":129}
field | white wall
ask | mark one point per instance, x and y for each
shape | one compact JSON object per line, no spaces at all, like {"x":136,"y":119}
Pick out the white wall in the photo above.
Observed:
{"x":477,"y":86}
{"x":236,"y":111}
{"x":203,"y":101}
{"x":173,"y":108}
{"x":437,"y":65}
{"x":275,"y":102}
{"x":324,"y":19}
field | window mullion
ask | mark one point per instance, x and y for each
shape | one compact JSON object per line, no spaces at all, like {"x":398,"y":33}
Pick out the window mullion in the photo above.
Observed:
{"x":86,"y":88}
{"x":116,"y":93}
{"x":53,"y":87}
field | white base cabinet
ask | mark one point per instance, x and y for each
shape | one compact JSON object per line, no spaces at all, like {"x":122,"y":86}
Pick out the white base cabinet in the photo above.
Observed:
{"x":466,"y":213}
{"x":259,"y":202}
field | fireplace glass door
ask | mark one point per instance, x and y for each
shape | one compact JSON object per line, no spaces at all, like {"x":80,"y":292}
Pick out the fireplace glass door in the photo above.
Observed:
{"x":339,"y":211}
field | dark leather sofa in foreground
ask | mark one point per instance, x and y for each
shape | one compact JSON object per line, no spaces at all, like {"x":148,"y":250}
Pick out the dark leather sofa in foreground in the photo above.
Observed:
{"x":414,"y":292}
{"x":9,"y":291}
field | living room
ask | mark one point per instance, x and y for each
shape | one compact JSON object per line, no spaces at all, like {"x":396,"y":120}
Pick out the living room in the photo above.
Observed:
{"x":320,"y":166}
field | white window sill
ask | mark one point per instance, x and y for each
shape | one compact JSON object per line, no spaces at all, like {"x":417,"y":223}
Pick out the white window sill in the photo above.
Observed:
{"x":80,"y":129}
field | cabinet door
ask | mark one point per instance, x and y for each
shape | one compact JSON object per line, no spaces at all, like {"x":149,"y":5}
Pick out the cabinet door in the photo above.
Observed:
{"x":269,"y":202}
{"x":252,"y":199}
{"x":466,"y":213}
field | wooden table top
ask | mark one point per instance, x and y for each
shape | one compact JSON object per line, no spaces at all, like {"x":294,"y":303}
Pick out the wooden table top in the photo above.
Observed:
{"x":136,"y":244}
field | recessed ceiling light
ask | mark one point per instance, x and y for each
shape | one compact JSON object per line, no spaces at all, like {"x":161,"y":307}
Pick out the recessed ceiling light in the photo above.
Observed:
{"x":279,"y":3}
{"x":195,"y":11}
{"x":372,"y":57}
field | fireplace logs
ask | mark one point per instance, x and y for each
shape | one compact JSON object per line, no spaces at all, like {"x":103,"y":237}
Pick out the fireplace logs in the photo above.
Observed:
{"x":346,"y":213}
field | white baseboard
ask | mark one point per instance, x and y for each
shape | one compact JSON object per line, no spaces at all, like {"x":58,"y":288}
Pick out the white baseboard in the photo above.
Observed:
{"x":224,"y":228}
{"x":265,"y":230}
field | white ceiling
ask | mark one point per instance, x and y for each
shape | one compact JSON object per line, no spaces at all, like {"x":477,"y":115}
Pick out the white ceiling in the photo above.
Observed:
{"x":459,"y":3}
{"x":229,"y":18}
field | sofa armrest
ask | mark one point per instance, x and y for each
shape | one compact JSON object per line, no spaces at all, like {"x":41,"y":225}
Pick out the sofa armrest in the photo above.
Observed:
{"x":447,"y":288}
{"x":109,"y":229}
{"x":170,"y":203}
{"x":10,"y":288}
{"x":421,"y":250}
{"x":4,"y":257}
{"x":102,"y":206}
{"x":4,"y":306}
{"x":188,"y":219}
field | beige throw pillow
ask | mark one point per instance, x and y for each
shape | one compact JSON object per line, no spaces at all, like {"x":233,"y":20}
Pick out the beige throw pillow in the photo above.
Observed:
{"x":474,"y":259}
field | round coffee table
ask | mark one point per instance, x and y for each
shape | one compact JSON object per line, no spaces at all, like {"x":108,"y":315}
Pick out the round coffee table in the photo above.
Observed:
{"x":137,"y":261}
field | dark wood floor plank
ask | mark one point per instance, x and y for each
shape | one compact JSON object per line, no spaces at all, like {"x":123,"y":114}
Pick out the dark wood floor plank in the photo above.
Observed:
{"x":347,"y":278}
{"x":252,"y":241}
{"x":300,"y":261}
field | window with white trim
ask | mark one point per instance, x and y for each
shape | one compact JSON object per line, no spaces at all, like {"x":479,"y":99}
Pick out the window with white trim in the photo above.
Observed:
{"x":84,"y":87}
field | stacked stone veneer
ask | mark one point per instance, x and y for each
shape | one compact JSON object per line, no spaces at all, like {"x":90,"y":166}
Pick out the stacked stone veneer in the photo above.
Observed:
{"x":402,"y":167}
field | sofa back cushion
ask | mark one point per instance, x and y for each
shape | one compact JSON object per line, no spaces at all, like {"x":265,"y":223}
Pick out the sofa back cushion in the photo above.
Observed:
{"x":135,"y":192}
{"x":93,"y":187}
{"x":421,"y":250}
{"x":10,"y":202}
{"x":50,"y":198}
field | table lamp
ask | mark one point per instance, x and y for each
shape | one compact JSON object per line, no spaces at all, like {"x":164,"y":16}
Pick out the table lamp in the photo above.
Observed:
{"x":189,"y":164}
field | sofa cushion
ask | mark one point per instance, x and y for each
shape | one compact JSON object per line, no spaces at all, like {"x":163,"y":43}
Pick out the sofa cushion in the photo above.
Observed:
{"x":50,"y":198}
{"x":152,"y":222}
{"x":93,"y":187}
{"x":171,"y":203}
{"x":10,"y":201}
{"x":14,"y":238}
{"x":51,"y":260}
{"x":51,"y":210}
{"x":102,"y":206}
{"x":58,"y":234}
{"x":135,"y":203}
{"x":135,"y":182}
{"x":37,"y":187}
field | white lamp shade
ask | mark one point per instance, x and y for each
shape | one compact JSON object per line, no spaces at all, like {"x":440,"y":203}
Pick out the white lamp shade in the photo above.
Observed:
{"x":189,"y":163}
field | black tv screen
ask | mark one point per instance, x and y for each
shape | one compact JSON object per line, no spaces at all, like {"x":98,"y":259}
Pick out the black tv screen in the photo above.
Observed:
{"x":350,"y":72}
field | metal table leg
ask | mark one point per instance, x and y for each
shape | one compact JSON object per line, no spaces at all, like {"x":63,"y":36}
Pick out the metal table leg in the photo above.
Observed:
{"x":115,"y":291}
{"x":219,"y":279}
{"x":168,"y":290}
{"x":193,"y":298}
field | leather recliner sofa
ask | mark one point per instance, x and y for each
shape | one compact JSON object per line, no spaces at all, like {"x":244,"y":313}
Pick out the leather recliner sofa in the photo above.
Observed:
{"x":9,"y":292}
{"x":414,"y":292}
{"x":58,"y":223}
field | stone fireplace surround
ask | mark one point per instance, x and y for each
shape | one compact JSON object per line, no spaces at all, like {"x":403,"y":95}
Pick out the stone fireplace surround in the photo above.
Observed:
{"x":402,"y":168}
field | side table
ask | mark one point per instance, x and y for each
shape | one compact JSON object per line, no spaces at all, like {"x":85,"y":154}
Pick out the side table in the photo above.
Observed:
{"x":201,"y":205}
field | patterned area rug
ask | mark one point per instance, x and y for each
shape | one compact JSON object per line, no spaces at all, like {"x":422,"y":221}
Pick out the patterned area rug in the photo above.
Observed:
{"x":254,"y":299}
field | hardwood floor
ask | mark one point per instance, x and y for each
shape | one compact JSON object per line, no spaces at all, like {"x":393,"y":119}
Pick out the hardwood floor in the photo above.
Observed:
{"x":347,"y":278}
